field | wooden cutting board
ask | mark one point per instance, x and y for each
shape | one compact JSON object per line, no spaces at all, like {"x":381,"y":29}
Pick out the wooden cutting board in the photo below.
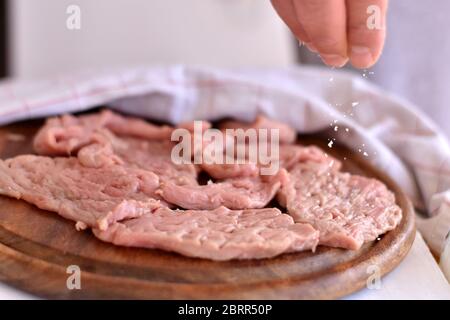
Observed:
{"x":37,"y":247}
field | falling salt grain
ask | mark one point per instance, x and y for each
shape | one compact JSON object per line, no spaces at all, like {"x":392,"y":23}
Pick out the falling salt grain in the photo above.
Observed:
{"x":336,"y":128}
{"x":354,"y":104}
{"x":330,"y":144}
{"x":365,"y":154}
{"x":347,"y":130}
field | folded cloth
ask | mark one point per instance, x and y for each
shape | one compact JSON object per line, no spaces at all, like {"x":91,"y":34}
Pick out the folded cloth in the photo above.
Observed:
{"x":394,"y":135}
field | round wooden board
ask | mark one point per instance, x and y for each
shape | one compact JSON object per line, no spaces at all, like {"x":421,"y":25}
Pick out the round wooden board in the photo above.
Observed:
{"x":36,"y":248}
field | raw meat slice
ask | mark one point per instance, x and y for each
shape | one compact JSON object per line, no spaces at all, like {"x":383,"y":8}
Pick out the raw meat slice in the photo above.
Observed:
{"x":239,"y":193}
{"x":67,"y":134}
{"x":95,"y":136}
{"x":291,"y":154}
{"x":226,"y":171}
{"x":199,"y":143}
{"x":288,"y":154}
{"x":94,"y":197}
{"x":220,"y":234}
{"x":154,"y":156}
{"x":287,"y":133}
{"x":230,"y":167}
{"x":195,"y":131}
{"x":135,"y":127}
{"x":98,"y":155}
{"x":348,"y":210}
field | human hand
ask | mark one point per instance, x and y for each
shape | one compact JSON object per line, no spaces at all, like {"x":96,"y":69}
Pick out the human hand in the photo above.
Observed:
{"x":338,"y":30}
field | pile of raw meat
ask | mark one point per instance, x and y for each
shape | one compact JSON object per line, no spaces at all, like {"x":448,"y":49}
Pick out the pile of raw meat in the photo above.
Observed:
{"x":114,"y":174}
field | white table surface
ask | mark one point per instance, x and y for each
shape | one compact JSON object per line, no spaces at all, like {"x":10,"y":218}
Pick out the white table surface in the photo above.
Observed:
{"x":417,"y":277}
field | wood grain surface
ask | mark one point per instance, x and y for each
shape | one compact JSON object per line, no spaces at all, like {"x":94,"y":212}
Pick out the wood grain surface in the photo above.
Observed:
{"x":36,"y":248}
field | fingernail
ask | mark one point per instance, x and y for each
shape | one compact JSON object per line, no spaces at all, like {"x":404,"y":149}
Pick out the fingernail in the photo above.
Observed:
{"x":361,"y":57}
{"x":311,"y":47}
{"x":334,"y":60}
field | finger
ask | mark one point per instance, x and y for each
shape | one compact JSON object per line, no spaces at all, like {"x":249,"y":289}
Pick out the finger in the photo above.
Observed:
{"x":286,"y":11}
{"x":366,"y":31}
{"x":325,"y":24}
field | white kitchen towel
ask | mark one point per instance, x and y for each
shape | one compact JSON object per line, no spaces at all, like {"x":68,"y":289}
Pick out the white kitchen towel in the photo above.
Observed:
{"x":391,"y":133}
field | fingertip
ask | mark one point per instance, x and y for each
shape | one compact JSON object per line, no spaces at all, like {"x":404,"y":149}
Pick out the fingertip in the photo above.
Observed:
{"x":311,"y":47}
{"x":334,"y":60}
{"x":325,"y":24}
{"x":361,"y":57}
{"x":365,"y":41}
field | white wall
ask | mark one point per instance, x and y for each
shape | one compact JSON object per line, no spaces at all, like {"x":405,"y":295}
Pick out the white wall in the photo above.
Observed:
{"x":122,"y":32}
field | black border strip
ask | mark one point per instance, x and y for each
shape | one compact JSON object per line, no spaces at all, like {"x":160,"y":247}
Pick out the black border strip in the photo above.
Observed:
{"x":4,"y":39}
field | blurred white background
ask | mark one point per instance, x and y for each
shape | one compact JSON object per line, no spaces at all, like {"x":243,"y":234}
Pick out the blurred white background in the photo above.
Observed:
{"x":224,"y":33}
